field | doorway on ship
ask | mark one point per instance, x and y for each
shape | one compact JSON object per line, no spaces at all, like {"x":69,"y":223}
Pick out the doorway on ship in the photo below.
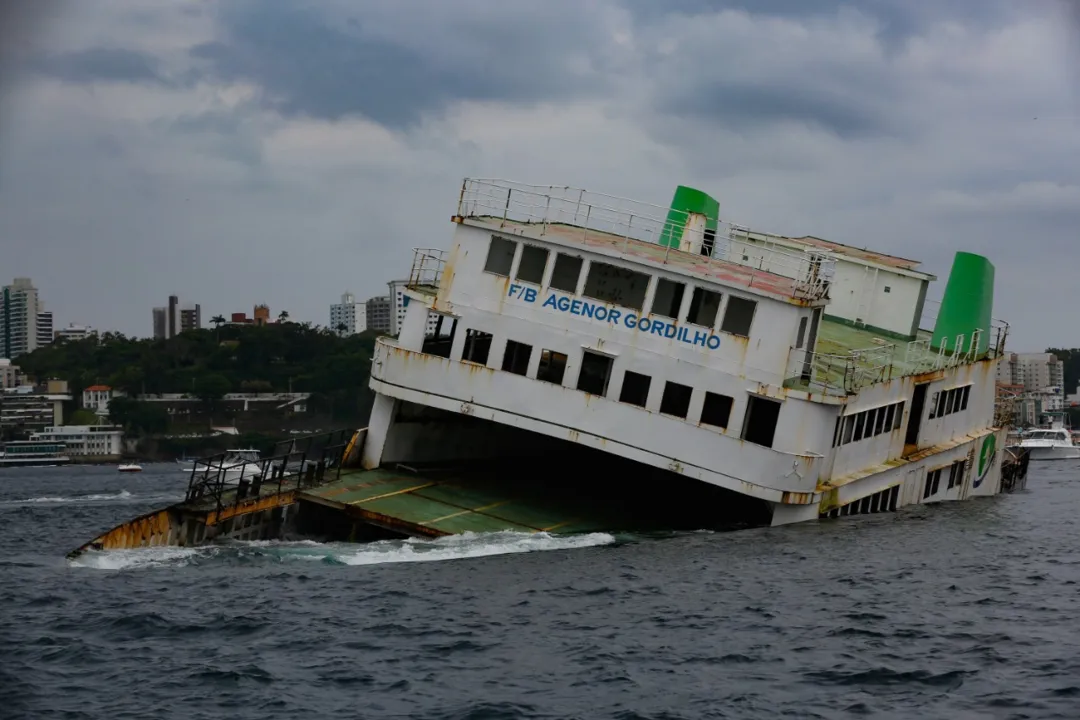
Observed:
{"x":918,"y":401}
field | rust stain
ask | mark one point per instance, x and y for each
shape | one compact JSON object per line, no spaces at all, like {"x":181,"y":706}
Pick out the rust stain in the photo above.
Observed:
{"x":796,"y":498}
{"x":253,"y":505}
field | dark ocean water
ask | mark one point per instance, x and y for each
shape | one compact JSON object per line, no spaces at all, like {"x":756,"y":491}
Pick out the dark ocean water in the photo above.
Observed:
{"x":964,"y":610}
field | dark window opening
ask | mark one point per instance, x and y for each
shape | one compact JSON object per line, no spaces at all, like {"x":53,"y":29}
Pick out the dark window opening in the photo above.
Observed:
{"x":477,"y":347}
{"x":532,"y":264}
{"x":442,"y":339}
{"x":616,"y":285}
{"x":933,"y":483}
{"x":943,"y":400}
{"x":668,"y":298}
{"x":836,"y":432}
{"x":500,"y":256}
{"x":964,"y":397}
{"x":849,"y":428}
{"x":594,"y":374}
{"x":635,"y":388}
{"x":565,"y":274}
{"x":552,"y":367}
{"x":802,"y":333}
{"x":676,"y":399}
{"x":899,"y":419}
{"x":918,"y":400}
{"x":761,"y":418}
{"x":879,"y":421}
{"x":956,"y":473}
{"x":516,"y":357}
{"x":888,"y":289}
{"x":739,"y":316}
{"x":704,"y":304}
{"x":860,"y":422}
{"x":717,"y":410}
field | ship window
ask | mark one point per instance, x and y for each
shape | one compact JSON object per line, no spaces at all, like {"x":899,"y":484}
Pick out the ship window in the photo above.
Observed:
{"x":761,"y":418}
{"x":565,"y":274}
{"x":964,"y":397}
{"x":716,"y":410}
{"x":933,"y":483}
{"x":888,"y":289}
{"x":956,"y":473}
{"x":942,"y":401}
{"x":552,"y":367}
{"x":899,"y":415}
{"x":616,"y":285}
{"x":952,"y":402}
{"x":441,"y":338}
{"x":594,"y":374}
{"x":860,"y":423}
{"x":879,"y":420}
{"x":802,"y":333}
{"x":477,"y":347}
{"x":739,"y":316}
{"x":635,"y":388}
{"x":500,"y":256}
{"x":516,"y":357}
{"x":704,"y":305}
{"x":676,"y":399}
{"x":532,"y":264}
{"x":849,"y":428}
{"x":836,"y":433}
{"x":668,"y":299}
{"x":887,"y":423}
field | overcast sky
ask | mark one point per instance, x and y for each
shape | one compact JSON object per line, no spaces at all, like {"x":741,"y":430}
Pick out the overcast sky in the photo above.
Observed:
{"x":283,"y":152}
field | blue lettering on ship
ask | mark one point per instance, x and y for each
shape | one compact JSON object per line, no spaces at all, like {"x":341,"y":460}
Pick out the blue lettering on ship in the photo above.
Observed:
{"x":613,"y":316}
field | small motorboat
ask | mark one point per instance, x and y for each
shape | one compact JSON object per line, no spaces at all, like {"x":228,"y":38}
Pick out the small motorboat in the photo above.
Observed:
{"x":130,"y":467}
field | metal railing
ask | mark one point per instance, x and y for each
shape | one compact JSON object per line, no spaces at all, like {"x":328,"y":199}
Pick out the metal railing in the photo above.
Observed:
{"x":294,"y":464}
{"x":842,"y":374}
{"x":543,"y":206}
{"x":427,"y":267}
{"x":995,"y":335}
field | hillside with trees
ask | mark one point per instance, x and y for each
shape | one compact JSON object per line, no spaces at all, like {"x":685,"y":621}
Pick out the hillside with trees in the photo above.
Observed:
{"x":207,"y":364}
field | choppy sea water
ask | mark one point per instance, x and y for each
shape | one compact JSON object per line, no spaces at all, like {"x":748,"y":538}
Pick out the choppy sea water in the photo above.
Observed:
{"x":965,"y":610}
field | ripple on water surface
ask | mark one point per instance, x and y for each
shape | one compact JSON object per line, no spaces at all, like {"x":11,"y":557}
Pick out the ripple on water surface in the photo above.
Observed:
{"x":961,"y":611}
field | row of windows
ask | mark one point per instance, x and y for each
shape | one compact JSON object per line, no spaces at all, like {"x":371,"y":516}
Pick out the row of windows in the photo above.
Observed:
{"x":950,"y":401}
{"x":933,"y":478}
{"x":868,"y":423}
{"x":620,"y":286}
{"x":595,"y":375}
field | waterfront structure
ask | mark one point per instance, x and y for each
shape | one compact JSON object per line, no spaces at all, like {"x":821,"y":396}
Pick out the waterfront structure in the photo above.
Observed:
{"x":98,"y":442}
{"x":28,"y":409}
{"x":10,"y":375}
{"x":260,"y":316}
{"x":173,"y":319}
{"x":379,"y":313}
{"x":19,"y":311}
{"x":44,"y":329}
{"x":1042,"y":377}
{"x":348,"y":317}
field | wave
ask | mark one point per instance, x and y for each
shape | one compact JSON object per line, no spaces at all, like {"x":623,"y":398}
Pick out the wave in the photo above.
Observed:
{"x":454,"y":547}
{"x":122,"y":495}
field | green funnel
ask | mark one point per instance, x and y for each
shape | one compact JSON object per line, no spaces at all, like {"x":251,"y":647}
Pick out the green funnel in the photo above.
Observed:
{"x":687,"y":200}
{"x":968,"y":302}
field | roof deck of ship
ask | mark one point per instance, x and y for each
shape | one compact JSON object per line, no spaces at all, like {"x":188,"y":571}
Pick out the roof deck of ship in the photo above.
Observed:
{"x":641,"y":233}
{"x":847,"y":358}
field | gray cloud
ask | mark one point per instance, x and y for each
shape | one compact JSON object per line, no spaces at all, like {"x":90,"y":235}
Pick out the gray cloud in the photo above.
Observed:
{"x":285,"y":152}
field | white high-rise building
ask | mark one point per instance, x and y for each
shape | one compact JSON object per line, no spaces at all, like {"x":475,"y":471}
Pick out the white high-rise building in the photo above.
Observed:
{"x":44,"y":326}
{"x":19,"y":309}
{"x":75,"y":332}
{"x":348,"y":317}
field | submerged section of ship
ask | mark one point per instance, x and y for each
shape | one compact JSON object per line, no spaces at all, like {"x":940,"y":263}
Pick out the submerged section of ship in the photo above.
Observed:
{"x":575,"y":361}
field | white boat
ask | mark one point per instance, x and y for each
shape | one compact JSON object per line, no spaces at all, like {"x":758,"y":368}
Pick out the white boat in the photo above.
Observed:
{"x":129,"y":468}
{"x":1053,"y":443}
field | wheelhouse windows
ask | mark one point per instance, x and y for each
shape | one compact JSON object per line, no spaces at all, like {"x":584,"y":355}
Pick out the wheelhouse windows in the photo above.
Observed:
{"x":532,"y":264}
{"x":441,"y":338}
{"x":635,"y":389}
{"x":668,"y":298}
{"x":867,"y":424}
{"x":477,"y":347}
{"x":739,"y":316}
{"x":516,"y":357}
{"x":717,"y":410}
{"x":762,"y":415}
{"x":565,"y":274}
{"x":500,"y":256}
{"x":594,"y":374}
{"x":947,"y":402}
{"x":676,"y":399}
{"x":616,"y":285}
{"x":552,"y":367}
{"x":704,"y":304}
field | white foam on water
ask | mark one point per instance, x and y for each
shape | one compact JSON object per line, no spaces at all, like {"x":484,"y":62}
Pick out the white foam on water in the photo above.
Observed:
{"x":466,"y":545}
{"x":138,"y":558}
{"x":122,"y":495}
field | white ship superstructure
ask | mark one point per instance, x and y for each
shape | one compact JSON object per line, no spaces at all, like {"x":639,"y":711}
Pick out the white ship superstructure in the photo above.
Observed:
{"x":675,"y":342}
